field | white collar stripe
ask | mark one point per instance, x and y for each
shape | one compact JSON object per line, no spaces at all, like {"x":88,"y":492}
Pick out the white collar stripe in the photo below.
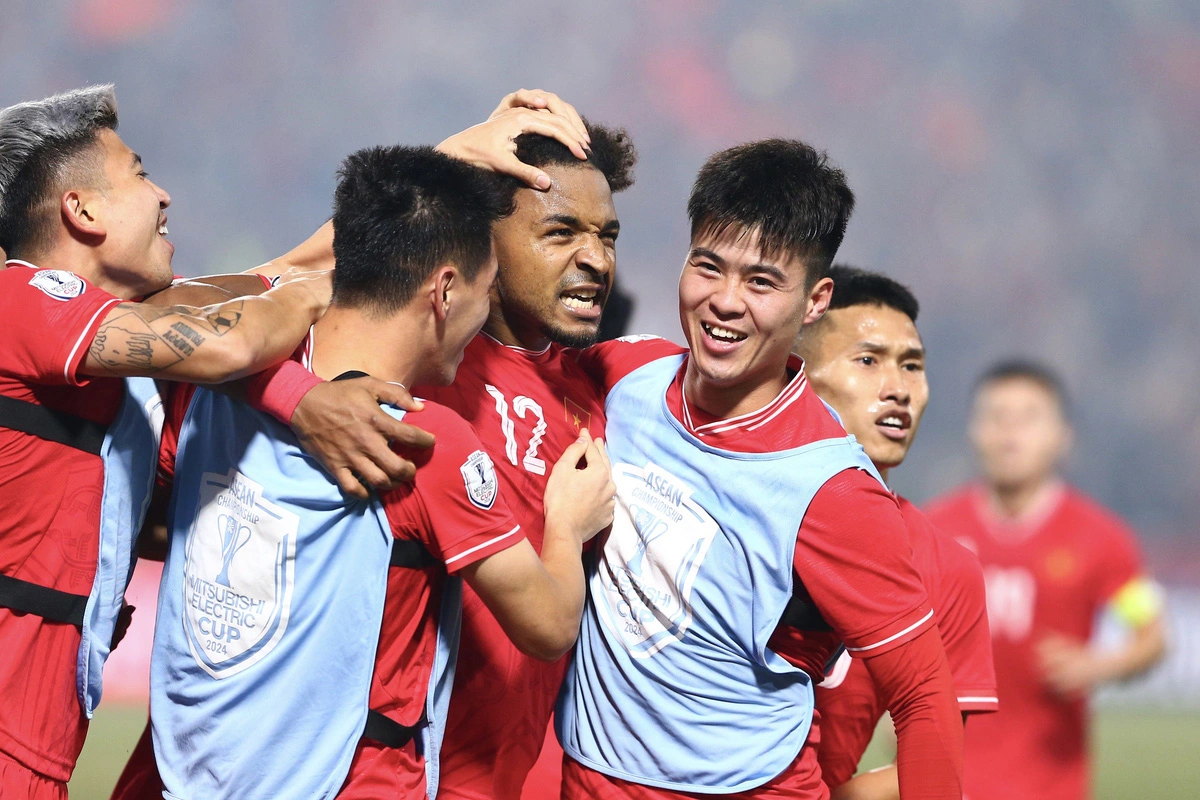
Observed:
{"x":755,"y":418}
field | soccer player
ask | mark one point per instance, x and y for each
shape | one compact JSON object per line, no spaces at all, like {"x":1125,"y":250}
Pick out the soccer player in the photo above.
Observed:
{"x":865,"y":358}
{"x":1053,"y":560}
{"x":753,"y":536}
{"x":85,"y":233}
{"x":273,"y":589}
{"x":520,"y":388}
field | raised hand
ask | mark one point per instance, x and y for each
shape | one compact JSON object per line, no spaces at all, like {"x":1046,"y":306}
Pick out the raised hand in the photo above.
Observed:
{"x":580,"y":493}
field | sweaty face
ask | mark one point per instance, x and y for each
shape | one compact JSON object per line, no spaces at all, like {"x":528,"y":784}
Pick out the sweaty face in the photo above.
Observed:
{"x":868,"y":363}
{"x":1019,"y":433}
{"x":740,"y":312}
{"x":132,"y":210}
{"x":557,"y":256}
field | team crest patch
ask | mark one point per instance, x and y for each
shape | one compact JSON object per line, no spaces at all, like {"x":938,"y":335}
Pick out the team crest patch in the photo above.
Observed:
{"x":58,"y":283}
{"x":659,"y":539}
{"x":238,"y":574}
{"x":479,"y":474}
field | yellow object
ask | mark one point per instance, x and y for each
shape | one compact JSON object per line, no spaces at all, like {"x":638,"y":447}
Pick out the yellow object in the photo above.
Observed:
{"x":1138,"y":602}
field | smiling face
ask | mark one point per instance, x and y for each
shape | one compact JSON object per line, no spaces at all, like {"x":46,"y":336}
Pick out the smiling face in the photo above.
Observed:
{"x":867,"y":361}
{"x":132,"y":210}
{"x":740,"y":312}
{"x":557,"y":256}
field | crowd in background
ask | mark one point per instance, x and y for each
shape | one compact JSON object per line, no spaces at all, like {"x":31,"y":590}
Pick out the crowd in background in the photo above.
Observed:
{"x":1030,"y":169}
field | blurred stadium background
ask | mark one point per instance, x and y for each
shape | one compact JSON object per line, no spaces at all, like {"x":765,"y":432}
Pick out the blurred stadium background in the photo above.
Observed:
{"x":1031,"y":169}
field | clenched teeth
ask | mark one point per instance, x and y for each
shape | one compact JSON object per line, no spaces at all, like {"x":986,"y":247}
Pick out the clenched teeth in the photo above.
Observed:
{"x":579,"y":301}
{"x":892,"y":422}
{"x":162,"y":230}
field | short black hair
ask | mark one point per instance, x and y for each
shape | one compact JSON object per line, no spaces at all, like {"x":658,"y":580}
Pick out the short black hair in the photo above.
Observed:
{"x":1025,"y":369}
{"x":46,"y":147}
{"x":858,"y":287}
{"x":399,"y":212}
{"x":611,"y":151}
{"x":782,"y":189}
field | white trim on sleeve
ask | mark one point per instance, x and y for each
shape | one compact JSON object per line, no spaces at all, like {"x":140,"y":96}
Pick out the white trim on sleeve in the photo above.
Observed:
{"x":894,"y":636}
{"x":478,"y":547}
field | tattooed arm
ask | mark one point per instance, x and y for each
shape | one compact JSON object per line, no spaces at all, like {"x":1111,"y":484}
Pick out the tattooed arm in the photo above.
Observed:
{"x":213,"y":344}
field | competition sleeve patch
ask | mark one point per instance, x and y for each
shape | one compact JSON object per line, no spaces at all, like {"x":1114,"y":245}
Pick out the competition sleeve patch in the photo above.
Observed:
{"x":479,"y":475}
{"x":58,"y":283}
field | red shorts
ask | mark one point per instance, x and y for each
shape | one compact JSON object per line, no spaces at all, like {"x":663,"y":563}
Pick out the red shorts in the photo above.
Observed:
{"x":18,"y":782}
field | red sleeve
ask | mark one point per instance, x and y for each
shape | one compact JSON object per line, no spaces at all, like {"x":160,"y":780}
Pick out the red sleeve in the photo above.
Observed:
{"x":850,"y":708}
{"x":608,"y":362}
{"x":279,"y":389}
{"x":854,"y":557}
{"x":1119,"y":560}
{"x":961,"y":613}
{"x":455,"y":507}
{"x":47,"y":320}
{"x":915,"y":684}
{"x":175,"y":405}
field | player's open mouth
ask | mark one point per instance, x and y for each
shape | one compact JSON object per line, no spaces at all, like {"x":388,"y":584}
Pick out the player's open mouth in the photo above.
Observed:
{"x":162,"y":226}
{"x":894,"y":425}
{"x":583,"y":301}
{"x":722,"y":336}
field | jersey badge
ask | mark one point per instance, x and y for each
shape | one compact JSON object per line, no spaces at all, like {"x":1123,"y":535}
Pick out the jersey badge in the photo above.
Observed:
{"x":576,"y":415}
{"x":58,"y":283}
{"x":660,"y":537}
{"x":479,"y":475}
{"x":238,"y":574}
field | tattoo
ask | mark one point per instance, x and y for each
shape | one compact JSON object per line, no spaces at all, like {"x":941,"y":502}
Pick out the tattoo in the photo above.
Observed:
{"x":222,"y":320}
{"x":176,"y":341}
{"x":154,"y":338}
{"x":128,"y":343}
{"x":187,"y":332}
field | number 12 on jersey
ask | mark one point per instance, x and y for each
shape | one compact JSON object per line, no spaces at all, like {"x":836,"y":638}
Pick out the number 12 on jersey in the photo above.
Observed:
{"x":522,"y":405}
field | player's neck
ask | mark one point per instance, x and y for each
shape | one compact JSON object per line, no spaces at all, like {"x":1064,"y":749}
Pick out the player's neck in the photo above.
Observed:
{"x":512,"y":333}
{"x":81,"y":260}
{"x":345,"y":339}
{"x":1018,"y":502}
{"x":724,"y":402}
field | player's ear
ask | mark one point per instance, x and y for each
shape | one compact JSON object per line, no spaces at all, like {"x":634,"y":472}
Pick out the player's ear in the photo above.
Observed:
{"x":80,"y":211}
{"x":444,"y":283}
{"x":818,"y":300}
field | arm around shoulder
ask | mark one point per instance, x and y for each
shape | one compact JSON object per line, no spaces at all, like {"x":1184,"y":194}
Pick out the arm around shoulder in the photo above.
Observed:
{"x":207,"y":345}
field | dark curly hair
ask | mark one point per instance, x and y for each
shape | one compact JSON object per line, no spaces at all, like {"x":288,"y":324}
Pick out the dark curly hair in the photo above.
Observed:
{"x":612,"y":152}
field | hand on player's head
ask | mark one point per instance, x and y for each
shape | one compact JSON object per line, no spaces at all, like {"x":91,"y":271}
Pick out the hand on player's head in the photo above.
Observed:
{"x":539,"y":99}
{"x":493,"y":144}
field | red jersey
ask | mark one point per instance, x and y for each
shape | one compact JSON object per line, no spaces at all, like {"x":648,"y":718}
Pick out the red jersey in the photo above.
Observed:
{"x":50,"y":493}
{"x":1054,"y":574}
{"x":848,"y":699}
{"x":527,"y":407}
{"x":852,"y":556}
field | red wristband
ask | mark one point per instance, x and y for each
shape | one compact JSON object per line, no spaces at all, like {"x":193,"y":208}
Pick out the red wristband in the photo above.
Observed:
{"x":279,"y":389}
